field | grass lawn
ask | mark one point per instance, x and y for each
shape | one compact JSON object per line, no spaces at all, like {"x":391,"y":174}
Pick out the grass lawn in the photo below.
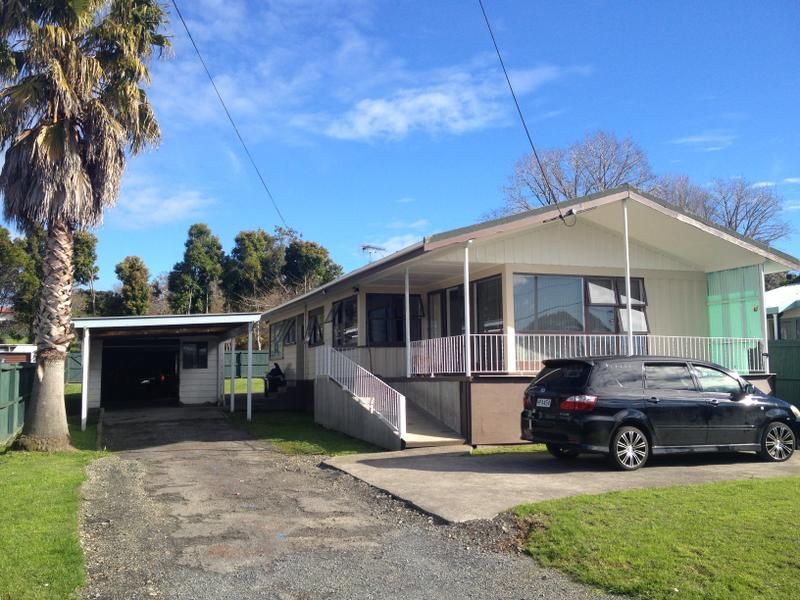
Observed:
{"x":296,"y":433}
{"x":240,"y":385}
{"x":40,"y":556}
{"x":721,"y":540}
{"x":511,"y":449}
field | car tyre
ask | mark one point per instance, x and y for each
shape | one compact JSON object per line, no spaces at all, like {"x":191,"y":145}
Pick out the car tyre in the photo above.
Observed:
{"x":778,"y":442}
{"x":561,"y":452}
{"x":630,"y":448}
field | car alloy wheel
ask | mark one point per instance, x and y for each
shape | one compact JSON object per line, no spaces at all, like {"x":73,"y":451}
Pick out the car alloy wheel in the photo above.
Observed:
{"x":778,"y":442}
{"x":630,"y":448}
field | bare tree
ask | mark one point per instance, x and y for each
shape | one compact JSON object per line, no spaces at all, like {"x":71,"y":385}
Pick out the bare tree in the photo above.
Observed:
{"x":755,"y":212}
{"x":598,"y":162}
{"x":681,"y":192}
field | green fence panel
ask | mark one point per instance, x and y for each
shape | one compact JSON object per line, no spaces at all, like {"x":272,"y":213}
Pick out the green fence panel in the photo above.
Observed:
{"x":784,"y":361}
{"x":16,"y":385}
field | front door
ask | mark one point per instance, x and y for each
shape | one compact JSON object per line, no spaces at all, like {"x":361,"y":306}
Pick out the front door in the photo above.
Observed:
{"x":676,"y":409}
{"x":734,"y":418}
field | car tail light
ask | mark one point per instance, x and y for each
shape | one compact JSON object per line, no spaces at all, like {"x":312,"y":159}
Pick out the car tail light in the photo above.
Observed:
{"x":526,"y":402}
{"x":582,"y":402}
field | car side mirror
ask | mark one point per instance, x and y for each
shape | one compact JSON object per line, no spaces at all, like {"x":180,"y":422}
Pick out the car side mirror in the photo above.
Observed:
{"x":749,"y":389}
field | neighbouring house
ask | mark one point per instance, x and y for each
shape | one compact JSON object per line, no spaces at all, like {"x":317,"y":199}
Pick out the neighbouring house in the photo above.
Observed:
{"x":17,"y":353}
{"x":152,"y":361}
{"x":436,"y":343}
{"x":783,"y":312}
{"x":6,"y":314}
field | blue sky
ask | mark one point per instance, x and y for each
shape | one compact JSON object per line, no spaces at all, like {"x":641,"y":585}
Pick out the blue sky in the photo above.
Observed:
{"x":380,"y":122}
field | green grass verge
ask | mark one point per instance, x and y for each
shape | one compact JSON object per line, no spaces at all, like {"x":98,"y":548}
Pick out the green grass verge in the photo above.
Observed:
{"x":512,"y":449}
{"x":296,"y":433}
{"x":720,"y":540}
{"x":40,"y":555}
{"x":240,"y":386}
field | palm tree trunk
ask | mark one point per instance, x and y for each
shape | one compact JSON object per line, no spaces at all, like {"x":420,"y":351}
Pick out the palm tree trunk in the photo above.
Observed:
{"x":46,"y":426}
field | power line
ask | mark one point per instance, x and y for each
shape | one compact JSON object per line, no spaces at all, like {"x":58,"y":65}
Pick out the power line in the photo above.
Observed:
{"x":519,"y":111}
{"x":228,"y":113}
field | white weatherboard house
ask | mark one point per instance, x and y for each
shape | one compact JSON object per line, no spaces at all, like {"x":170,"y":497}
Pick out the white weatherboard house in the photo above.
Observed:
{"x":392,"y":358}
{"x":783,"y":311}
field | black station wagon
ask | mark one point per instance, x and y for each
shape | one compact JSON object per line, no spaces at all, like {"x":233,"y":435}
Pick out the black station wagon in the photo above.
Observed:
{"x":630,"y":408}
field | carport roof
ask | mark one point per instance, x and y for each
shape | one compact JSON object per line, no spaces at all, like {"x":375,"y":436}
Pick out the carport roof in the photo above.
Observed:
{"x":168,"y":324}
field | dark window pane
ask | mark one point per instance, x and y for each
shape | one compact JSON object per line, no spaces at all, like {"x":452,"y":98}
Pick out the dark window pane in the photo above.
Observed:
{"x":386,"y":319}
{"x":315,"y":327}
{"x":668,"y":377}
{"x":525,"y":303}
{"x":455,"y":311}
{"x":712,"y":380}
{"x":548,"y":303}
{"x":601,"y":319}
{"x":637,"y":292}
{"x":568,"y":376}
{"x":195,"y":355}
{"x":627,"y":375}
{"x":489,"y":305}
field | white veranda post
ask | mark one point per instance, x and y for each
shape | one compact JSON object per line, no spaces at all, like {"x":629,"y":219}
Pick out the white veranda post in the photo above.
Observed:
{"x":84,"y":378}
{"x":249,"y":371}
{"x":629,"y":311}
{"x":408,"y":327}
{"x":467,"y":336}
{"x":233,"y":374}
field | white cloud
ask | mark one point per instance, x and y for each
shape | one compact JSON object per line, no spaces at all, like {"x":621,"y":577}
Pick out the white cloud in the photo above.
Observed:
{"x":794,"y":205}
{"x":406,"y":200}
{"x":416,"y":225}
{"x":709,"y":141}
{"x":763,"y":184}
{"x":792,"y":180}
{"x":396,"y":242}
{"x":151,"y":206}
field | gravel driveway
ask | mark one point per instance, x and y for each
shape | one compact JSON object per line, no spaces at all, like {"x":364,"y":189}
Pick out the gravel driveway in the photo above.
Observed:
{"x":190,"y":507}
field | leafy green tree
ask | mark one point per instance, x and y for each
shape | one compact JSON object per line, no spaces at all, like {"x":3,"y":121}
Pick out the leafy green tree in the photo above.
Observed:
{"x":84,"y":262}
{"x":135,"y":279}
{"x":308,"y":265}
{"x":26,"y":302}
{"x":253,"y":267}
{"x":193,"y":279}
{"x":71,"y":109}
{"x":13,"y":261}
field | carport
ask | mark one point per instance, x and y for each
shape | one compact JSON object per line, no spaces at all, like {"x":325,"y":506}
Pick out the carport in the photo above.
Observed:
{"x":160,"y":360}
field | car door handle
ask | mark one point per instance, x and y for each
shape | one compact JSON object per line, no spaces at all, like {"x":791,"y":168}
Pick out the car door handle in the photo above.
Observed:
{"x":654,"y":400}
{"x":714,"y":401}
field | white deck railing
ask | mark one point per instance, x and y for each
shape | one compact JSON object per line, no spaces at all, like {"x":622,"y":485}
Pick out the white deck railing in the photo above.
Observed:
{"x":372,"y":392}
{"x":446,"y":355}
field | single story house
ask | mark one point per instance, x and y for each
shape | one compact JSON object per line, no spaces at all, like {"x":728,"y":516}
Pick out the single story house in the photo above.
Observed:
{"x":436,"y":342}
{"x":783,"y":311}
{"x":158,"y":360}
{"x":17,"y":353}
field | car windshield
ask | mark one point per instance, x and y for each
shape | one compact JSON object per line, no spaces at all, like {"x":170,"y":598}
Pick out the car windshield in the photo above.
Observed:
{"x":565,"y":376}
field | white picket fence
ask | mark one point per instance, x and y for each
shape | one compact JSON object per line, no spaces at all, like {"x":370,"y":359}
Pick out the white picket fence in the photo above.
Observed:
{"x":371,"y":391}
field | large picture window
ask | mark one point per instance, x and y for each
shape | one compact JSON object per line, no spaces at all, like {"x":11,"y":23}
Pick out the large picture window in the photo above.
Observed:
{"x":344,"y":316}
{"x":545,"y":303}
{"x":386,"y":319}
{"x":489,"y":305}
{"x":574,"y":304}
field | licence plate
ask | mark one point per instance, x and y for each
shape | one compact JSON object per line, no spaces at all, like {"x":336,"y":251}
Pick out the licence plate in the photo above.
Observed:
{"x":543,"y":402}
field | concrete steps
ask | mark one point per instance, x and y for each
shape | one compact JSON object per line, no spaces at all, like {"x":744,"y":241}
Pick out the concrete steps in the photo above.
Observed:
{"x":423,"y":431}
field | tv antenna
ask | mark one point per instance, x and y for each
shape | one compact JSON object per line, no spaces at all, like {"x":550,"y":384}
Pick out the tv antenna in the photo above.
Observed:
{"x":372,"y":250}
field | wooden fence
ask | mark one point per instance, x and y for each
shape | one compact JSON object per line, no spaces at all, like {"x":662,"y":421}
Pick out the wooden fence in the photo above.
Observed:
{"x":261,"y":364}
{"x":784,"y":361}
{"x":16,"y":384}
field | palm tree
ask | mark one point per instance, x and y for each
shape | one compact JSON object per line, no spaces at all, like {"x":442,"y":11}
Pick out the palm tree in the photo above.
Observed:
{"x":72,"y":107}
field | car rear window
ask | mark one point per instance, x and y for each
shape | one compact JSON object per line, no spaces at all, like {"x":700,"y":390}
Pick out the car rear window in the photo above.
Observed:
{"x":566,"y":376}
{"x":618,"y":374}
{"x":669,"y":376}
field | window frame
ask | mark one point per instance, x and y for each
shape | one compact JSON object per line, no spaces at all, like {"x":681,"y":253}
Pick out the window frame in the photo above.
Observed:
{"x":337,"y":314}
{"x":196,"y":362}
{"x":415,"y":299}
{"x":554,"y":331}
{"x":618,"y":285}
{"x":672,"y":363}
{"x":317,"y":325}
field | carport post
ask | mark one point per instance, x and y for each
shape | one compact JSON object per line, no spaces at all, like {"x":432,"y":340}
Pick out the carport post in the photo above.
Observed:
{"x":233,"y":373}
{"x":84,"y":378}
{"x":628,"y":278}
{"x":249,"y":371}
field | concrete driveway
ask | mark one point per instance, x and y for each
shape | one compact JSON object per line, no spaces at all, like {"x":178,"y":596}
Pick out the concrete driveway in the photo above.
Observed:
{"x":188,"y":506}
{"x":457,"y":487}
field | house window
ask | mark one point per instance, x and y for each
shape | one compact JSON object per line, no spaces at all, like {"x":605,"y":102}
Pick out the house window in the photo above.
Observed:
{"x":790,"y":329}
{"x":489,"y":305}
{"x":281,"y":334}
{"x":344,"y":315}
{"x":435,"y":315}
{"x":195,"y":355}
{"x":316,"y":327}
{"x":386,"y":319}
{"x":606,"y":305}
{"x":548,"y":303}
